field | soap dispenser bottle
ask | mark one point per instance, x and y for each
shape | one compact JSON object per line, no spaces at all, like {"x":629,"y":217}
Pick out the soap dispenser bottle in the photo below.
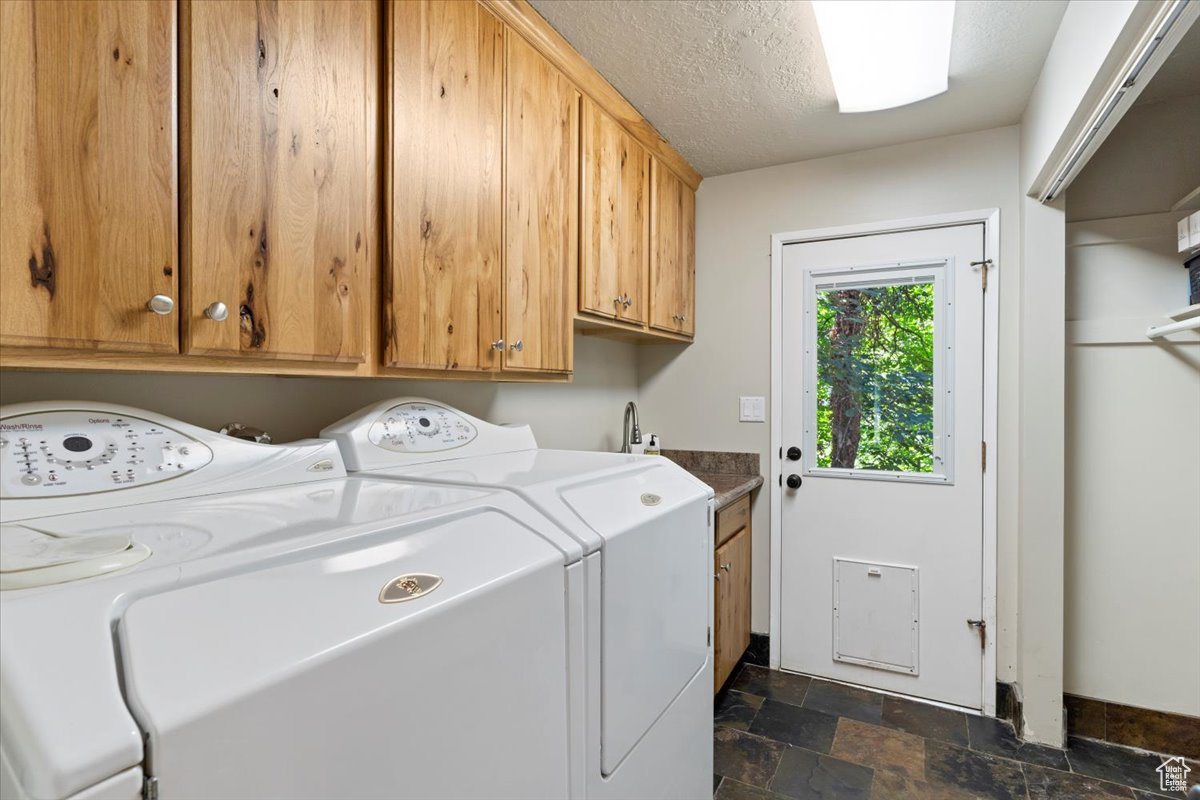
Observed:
{"x":652,"y":447}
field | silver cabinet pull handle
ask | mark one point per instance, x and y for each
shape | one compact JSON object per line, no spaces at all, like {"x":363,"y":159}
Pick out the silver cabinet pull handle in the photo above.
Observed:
{"x":161,"y":304}
{"x":518,"y":345}
{"x":217,"y":312}
{"x":498,"y":344}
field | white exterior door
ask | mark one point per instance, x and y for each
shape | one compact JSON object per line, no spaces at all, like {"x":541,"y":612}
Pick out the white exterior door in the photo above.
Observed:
{"x":882,"y":432}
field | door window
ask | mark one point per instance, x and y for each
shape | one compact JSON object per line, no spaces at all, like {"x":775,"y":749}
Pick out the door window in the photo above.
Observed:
{"x":876,"y":404}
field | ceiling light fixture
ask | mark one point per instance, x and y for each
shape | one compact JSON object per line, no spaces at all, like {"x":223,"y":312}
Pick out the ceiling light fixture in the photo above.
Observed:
{"x":885,"y":53}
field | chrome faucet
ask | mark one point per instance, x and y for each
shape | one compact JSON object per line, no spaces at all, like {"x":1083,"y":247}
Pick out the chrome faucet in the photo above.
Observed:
{"x":630,"y":437}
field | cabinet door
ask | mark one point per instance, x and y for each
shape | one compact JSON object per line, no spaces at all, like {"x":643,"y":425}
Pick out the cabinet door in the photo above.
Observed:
{"x":442,"y":289}
{"x":88,"y":232}
{"x":615,"y":223}
{"x":541,"y":211}
{"x":732,"y":613}
{"x":279,"y":112}
{"x":672,"y":252}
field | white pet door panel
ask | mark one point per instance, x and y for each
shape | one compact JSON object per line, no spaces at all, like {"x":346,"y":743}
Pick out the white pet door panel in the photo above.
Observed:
{"x":876,"y":615}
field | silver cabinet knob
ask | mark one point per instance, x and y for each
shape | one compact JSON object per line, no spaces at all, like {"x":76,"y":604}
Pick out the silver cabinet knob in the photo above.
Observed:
{"x":498,"y":344}
{"x":161,"y":304}
{"x":628,"y":301}
{"x":727,"y":567}
{"x":217,"y":312}
{"x":683,"y":317}
{"x":518,"y":345}
{"x":618,"y":300}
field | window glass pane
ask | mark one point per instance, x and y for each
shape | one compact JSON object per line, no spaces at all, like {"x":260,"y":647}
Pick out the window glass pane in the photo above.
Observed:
{"x":875,"y":378}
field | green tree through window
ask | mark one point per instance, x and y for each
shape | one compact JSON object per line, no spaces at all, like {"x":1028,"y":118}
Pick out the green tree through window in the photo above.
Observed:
{"x":875,"y":378}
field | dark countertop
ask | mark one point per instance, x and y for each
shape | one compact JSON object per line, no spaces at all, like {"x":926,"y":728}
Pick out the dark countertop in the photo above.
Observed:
{"x":731,"y":475}
{"x":730,"y":487}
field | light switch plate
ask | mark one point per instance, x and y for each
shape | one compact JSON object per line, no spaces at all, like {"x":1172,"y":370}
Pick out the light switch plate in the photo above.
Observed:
{"x":753,"y":409}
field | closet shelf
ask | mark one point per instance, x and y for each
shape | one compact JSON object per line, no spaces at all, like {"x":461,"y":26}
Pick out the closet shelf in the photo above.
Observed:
{"x":1185,"y":319}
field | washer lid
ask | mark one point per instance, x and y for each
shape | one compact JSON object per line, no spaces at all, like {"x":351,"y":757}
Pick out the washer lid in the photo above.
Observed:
{"x":30,"y":557}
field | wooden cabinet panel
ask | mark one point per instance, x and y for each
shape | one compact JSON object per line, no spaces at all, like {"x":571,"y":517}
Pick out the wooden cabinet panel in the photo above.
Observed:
{"x":732,"y":518}
{"x":88,"y":232}
{"x":731,"y":636}
{"x":614,"y":220}
{"x":541,"y":211}
{"x":442,"y":286}
{"x":672,"y":252}
{"x":280,"y":110}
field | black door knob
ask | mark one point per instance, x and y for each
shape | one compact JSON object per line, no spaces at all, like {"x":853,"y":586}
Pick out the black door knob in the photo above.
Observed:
{"x":793,"y":481}
{"x":793,"y":453}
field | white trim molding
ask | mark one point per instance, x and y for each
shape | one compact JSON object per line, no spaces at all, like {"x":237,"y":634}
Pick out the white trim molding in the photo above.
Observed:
{"x":990,"y":218}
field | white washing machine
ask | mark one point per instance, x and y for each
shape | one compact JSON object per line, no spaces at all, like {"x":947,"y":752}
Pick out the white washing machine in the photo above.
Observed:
{"x":645,"y":527}
{"x":185,"y":615}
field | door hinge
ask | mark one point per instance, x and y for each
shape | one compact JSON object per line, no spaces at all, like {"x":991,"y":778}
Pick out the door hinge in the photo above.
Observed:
{"x":710,"y":636}
{"x":983,"y":455}
{"x":983,"y":270}
{"x":981,"y":626}
{"x":150,"y":787}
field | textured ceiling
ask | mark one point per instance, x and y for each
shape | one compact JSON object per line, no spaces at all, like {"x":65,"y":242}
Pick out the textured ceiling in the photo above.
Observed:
{"x":741,"y":84}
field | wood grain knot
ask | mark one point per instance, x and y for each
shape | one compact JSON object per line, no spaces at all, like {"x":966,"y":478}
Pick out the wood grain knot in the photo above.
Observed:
{"x":44,"y":274}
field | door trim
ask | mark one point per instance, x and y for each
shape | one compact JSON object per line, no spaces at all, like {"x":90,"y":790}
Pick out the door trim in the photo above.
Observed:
{"x":990,"y":218}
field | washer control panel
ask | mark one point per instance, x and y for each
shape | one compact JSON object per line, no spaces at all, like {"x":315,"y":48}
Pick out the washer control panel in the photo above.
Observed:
{"x":420,"y":428}
{"x":62,"y":453}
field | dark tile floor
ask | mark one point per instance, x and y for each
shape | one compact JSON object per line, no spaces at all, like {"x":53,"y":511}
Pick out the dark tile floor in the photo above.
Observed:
{"x":782,"y":736}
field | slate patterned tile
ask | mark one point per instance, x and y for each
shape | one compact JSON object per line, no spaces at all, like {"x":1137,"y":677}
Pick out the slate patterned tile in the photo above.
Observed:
{"x":844,"y":701}
{"x":923,"y":719}
{"x":996,"y":738}
{"x":1053,"y":784}
{"x":745,"y":758}
{"x":805,"y":775}
{"x":978,"y":774}
{"x":772,"y":684}
{"x":1113,"y":763}
{"x":894,"y":786}
{"x":736,"y":709}
{"x":794,"y":725}
{"x":736,"y":790}
{"x":1172,"y":734}
{"x":879,"y":748}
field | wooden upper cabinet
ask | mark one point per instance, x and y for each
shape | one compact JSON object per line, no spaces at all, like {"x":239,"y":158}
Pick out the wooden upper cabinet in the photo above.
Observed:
{"x":672,"y":252}
{"x":541,"y":211}
{"x":442,"y":289}
{"x":279,"y":114}
{"x":88,"y":231}
{"x":614,"y":220}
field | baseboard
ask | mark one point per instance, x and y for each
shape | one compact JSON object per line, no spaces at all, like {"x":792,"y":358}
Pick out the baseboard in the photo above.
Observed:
{"x":1008,"y":704}
{"x":759,"y":651}
{"x":1156,"y":731}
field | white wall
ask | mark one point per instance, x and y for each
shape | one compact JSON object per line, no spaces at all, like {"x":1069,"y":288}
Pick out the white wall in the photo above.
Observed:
{"x":690,"y":395}
{"x":1132,"y":435}
{"x":1089,"y":39}
{"x":585,"y":414}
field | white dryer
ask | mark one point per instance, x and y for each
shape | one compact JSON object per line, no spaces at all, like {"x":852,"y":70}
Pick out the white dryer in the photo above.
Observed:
{"x":645,"y":529}
{"x":186,"y":615}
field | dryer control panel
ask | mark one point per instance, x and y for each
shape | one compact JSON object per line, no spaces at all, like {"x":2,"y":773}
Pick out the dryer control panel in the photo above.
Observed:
{"x":61,"y":453}
{"x":420,"y":428}
{"x":412,"y":430}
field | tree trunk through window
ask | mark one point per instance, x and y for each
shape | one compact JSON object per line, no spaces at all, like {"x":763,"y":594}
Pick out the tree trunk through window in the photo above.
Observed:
{"x":845,"y":397}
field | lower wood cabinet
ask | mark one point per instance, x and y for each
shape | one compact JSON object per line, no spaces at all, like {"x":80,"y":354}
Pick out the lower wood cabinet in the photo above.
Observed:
{"x":731,"y":633}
